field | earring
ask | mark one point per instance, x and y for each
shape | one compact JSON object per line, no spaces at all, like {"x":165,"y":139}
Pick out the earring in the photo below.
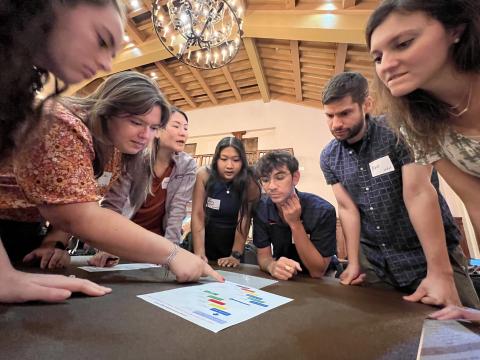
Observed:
{"x":456,"y":41}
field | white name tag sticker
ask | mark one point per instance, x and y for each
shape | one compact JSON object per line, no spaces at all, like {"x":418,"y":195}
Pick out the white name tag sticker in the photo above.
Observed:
{"x":165,"y":182}
{"x":104,"y":180}
{"x":381,"y":166}
{"x":213,"y":203}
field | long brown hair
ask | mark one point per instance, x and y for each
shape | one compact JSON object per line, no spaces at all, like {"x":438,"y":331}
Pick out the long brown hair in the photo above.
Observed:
{"x":127,"y":92}
{"x":424,"y":117}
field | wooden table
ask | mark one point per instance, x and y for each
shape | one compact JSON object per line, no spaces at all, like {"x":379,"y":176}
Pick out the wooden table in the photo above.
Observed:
{"x":326,"y":320}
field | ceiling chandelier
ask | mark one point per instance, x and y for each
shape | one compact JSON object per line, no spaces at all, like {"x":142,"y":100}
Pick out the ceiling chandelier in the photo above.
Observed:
{"x":204,"y":34}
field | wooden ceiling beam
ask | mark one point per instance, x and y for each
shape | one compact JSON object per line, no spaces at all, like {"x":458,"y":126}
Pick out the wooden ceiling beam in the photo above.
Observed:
{"x":257,"y":67}
{"x":140,"y":11}
{"x":231,"y":82}
{"x":164,"y":70}
{"x":134,"y":33}
{"x":148,"y":4}
{"x":340,"y":58}
{"x":348,"y":3}
{"x":203,"y":84}
{"x":290,"y":4}
{"x":339,"y":28}
{"x":297,"y":76}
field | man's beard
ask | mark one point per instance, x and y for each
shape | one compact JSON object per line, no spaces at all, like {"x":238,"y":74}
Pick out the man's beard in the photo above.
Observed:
{"x":353,"y":131}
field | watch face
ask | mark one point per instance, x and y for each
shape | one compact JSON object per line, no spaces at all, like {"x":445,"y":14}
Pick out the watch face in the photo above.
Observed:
{"x":236,"y":255}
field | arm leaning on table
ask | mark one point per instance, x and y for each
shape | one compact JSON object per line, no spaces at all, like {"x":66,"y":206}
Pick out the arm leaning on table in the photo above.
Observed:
{"x":51,"y":253}
{"x":17,"y":286}
{"x":453,"y":312}
{"x":198,"y":214}
{"x":350,"y":220}
{"x":466,"y":186}
{"x":311,"y":257}
{"x":421,"y":201}
{"x":283,"y":268}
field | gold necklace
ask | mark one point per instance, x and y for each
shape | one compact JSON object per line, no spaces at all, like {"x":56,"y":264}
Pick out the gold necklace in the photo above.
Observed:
{"x":467,"y":107}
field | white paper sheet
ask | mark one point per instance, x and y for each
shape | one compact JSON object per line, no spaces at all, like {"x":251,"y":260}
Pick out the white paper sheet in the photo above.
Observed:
{"x":119,"y":267}
{"x":448,"y":340}
{"x":242,"y":279}
{"x":216,"y":306}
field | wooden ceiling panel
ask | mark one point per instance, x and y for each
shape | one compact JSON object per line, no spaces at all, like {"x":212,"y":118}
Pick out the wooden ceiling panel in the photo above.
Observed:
{"x":220,"y":88}
{"x":243,"y":74}
{"x":270,"y":73}
{"x":291,"y":48}
{"x":250,"y":90}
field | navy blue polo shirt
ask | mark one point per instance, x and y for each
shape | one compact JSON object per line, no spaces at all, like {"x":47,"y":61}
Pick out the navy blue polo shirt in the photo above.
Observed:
{"x":388,"y":238}
{"x":318,"y":218}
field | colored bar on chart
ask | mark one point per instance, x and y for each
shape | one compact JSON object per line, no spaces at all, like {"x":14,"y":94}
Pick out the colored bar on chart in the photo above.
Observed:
{"x":218,"y":311}
{"x":211,"y":292}
{"x":210,"y":317}
{"x":216,"y":301}
{"x":258,"y":303}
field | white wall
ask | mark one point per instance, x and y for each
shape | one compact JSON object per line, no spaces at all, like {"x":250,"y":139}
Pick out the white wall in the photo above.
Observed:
{"x":277,"y":125}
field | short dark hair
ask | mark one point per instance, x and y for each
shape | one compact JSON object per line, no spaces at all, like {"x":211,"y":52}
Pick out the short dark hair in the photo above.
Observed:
{"x":174,"y":109}
{"x":275,"y":160}
{"x":346,"y":84}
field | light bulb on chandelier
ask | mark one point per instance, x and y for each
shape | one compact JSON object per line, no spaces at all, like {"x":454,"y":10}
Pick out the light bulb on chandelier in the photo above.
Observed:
{"x":196,"y":32}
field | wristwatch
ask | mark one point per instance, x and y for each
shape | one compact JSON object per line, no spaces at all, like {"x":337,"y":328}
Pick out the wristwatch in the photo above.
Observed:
{"x":60,"y":245}
{"x":236,"y":254}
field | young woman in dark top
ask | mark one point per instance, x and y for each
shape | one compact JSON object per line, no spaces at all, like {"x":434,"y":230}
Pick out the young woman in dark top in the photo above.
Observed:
{"x":223,"y":197}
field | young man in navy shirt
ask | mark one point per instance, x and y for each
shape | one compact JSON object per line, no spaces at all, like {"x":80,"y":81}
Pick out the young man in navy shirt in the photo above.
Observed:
{"x":398,"y":228}
{"x":293,"y":231}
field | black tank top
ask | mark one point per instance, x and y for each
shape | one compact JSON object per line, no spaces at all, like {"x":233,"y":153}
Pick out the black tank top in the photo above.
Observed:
{"x":223,"y":205}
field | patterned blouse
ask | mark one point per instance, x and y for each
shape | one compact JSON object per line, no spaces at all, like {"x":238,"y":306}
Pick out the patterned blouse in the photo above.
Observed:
{"x":56,"y":168}
{"x":462,"y":151}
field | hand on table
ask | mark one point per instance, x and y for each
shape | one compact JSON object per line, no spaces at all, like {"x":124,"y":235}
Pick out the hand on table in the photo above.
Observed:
{"x":456,"y":313}
{"x":189,"y":267}
{"x":202,"y":256}
{"x":284,"y":268}
{"x":436,"y":290}
{"x":229,"y":261}
{"x":103,"y":259}
{"x":50,"y":257}
{"x":16,"y":286}
{"x":352,"y":275}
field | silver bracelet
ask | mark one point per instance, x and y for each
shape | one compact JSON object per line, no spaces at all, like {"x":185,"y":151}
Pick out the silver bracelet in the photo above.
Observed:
{"x":171,"y":256}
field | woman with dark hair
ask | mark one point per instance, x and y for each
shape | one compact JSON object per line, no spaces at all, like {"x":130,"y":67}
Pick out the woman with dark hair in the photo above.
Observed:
{"x":427,"y":60}
{"x":155,"y":195}
{"x":37,"y":37}
{"x":223,"y":197}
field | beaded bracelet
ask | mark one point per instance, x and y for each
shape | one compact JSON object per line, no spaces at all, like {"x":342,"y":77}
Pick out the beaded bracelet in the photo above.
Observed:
{"x":171,"y":256}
